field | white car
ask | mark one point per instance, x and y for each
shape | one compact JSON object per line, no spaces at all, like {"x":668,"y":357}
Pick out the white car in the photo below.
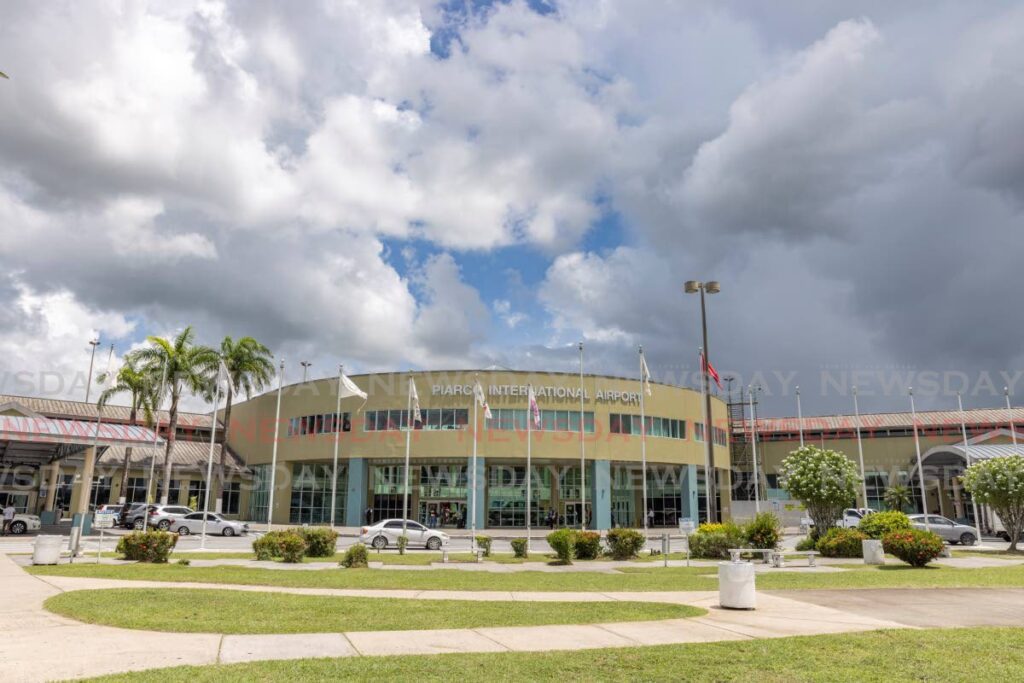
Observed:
{"x":851,"y":517}
{"x":215,"y":524}
{"x":387,"y":532}
{"x":23,"y":522}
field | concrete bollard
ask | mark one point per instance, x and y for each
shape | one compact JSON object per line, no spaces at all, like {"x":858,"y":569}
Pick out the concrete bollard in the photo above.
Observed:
{"x":873,"y":552}
{"x":736,"y":588}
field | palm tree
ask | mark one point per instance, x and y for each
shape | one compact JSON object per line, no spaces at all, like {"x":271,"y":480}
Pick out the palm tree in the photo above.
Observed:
{"x":898,"y":497}
{"x":131,"y":380}
{"x":250,"y":368}
{"x":189,"y":367}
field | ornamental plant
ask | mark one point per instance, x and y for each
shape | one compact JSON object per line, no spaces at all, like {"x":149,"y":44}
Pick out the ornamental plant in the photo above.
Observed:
{"x":484,"y":543}
{"x":147,"y":546}
{"x":563,"y":542}
{"x":519,"y":548}
{"x":625,"y":544}
{"x":320,"y":542}
{"x":403,"y":541}
{"x":878,"y":524}
{"x":764,"y":531}
{"x":356,"y":557}
{"x":914,"y":546}
{"x":999,"y":483}
{"x":292,"y":547}
{"x":588,"y":545}
{"x":825,"y":481}
{"x":898,"y":497}
{"x":837,"y":542}
{"x":714,"y":541}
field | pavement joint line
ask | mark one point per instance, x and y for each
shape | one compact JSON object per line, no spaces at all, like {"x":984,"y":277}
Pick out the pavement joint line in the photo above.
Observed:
{"x":720,"y":627}
{"x":634,"y":641}
{"x":505,"y":648}
{"x":220,"y":647}
{"x":352,"y":645}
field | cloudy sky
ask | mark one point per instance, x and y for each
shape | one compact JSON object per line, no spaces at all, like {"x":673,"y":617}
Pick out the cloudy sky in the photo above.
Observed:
{"x":416,"y":184}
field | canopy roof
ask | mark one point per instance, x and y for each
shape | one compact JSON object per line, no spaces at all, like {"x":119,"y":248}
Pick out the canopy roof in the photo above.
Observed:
{"x":37,"y":439}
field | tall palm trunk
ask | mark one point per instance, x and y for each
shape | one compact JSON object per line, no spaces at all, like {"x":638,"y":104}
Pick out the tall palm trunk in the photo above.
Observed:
{"x":172,"y":429}
{"x":224,"y":444}
{"x":128,"y":454}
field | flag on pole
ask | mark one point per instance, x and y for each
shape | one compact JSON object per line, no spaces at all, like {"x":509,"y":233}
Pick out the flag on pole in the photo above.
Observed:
{"x":534,"y":409}
{"x":645,"y":374}
{"x":223,"y":376}
{"x":478,"y":394}
{"x":109,"y":379}
{"x":711,"y":371}
{"x":349,"y":388}
{"x":417,"y":416}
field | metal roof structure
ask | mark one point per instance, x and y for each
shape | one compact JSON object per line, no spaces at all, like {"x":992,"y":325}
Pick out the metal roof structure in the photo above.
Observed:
{"x":35,"y":440}
{"x":992,"y":417}
{"x":63,"y":408}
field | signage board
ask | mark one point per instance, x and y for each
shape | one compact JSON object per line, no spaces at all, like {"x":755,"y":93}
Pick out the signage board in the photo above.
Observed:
{"x":103,"y":520}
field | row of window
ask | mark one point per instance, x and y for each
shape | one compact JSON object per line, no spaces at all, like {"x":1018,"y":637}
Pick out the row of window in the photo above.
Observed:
{"x":720,"y":436}
{"x":319,"y":424}
{"x":515,"y":419}
{"x":433,"y":418}
{"x":655,"y":426}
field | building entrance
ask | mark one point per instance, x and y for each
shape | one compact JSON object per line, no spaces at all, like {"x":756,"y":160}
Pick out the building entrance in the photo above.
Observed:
{"x":438,"y":514}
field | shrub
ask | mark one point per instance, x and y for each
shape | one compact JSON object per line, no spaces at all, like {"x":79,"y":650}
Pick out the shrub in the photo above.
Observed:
{"x":915,"y":547}
{"x":292,"y":547}
{"x":824,"y":481}
{"x":764,"y":531}
{"x":266,"y":547}
{"x":563,"y":542}
{"x":519,"y":548}
{"x":879,"y":524}
{"x":484,"y":543}
{"x":805,"y":544}
{"x":355,"y":557}
{"x":715,"y":542}
{"x":841,"y":543}
{"x":403,"y":542}
{"x":147,"y":546}
{"x":320,"y":541}
{"x":184,"y":563}
{"x":588,"y":545}
{"x":625,"y":544}
{"x":999,"y":483}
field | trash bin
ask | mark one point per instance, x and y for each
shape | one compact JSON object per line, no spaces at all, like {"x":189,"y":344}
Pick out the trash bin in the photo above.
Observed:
{"x":873,"y":553}
{"x":46,"y":549}
{"x":736,"y":585}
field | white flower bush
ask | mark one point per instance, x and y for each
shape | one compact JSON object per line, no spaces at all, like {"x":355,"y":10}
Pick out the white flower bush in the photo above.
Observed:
{"x":825,"y":481}
{"x":999,"y":483}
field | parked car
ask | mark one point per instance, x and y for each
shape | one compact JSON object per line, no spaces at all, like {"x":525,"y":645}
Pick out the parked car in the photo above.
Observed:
{"x":852,"y":516}
{"x":949,"y":530}
{"x":387,"y":532}
{"x":110,"y":509}
{"x":24,"y":522}
{"x":999,"y":530}
{"x":161,"y":516}
{"x":215,"y":524}
{"x":130,"y":516}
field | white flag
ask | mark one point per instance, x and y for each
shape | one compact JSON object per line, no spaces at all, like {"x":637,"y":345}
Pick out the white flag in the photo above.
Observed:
{"x":645,"y":374}
{"x":349,"y":388}
{"x":110,"y":376}
{"x":534,"y":409}
{"x":416,"y":415}
{"x":223,"y":376}
{"x":478,"y":393}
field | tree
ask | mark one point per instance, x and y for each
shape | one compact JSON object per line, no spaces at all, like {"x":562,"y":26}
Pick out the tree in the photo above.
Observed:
{"x":250,"y":367}
{"x":898,"y":497}
{"x":825,"y":481}
{"x":138,"y":385}
{"x":189,"y":367}
{"x":999,"y":483}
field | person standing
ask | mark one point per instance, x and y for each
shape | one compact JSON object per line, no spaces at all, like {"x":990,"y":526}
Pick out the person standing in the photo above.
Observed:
{"x":650,"y":517}
{"x":369,"y":515}
{"x":8,"y":517}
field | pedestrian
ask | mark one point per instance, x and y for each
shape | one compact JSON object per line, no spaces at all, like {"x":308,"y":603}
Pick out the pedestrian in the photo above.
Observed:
{"x":650,"y":517}
{"x":8,"y":517}
{"x":369,"y":515}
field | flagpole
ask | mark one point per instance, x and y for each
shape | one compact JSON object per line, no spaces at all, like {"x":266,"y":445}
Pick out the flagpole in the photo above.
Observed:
{"x":860,"y":449}
{"x":920,"y":467}
{"x":476,"y":402}
{"x":337,"y":438}
{"x":87,"y":485}
{"x":156,"y":439}
{"x":273,"y":456}
{"x":643,"y":442}
{"x":583,"y":455}
{"x":529,"y":471}
{"x":209,"y":458}
{"x":799,"y":417}
{"x":408,"y":444}
{"x":967,"y":457}
{"x":1009,"y":415}
{"x":753,"y":441}
{"x":707,"y":456}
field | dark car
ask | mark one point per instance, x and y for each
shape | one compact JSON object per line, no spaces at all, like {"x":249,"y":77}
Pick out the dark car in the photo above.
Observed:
{"x":132,"y":514}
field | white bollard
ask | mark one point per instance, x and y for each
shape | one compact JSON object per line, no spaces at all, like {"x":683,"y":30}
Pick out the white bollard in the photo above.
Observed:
{"x":46,"y":549}
{"x":736,"y":585}
{"x":873,"y":552}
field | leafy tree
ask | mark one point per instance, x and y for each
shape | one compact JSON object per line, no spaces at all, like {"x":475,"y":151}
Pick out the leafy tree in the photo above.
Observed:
{"x":189,"y":368}
{"x":138,"y":385}
{"x":825,"y":481}
{"x":999,"y":483}
{"x":250,"y":367}
{"x":898,"y":497}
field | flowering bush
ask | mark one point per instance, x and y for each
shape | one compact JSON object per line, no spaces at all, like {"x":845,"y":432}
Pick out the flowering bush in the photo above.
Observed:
{"x":824,"y":481}
{"x":841,"y":543}
{"x":272,"y":544}
{"x":764,"y":531}
{"x":625,"y":544}
{"x":588,"y":545}
{"x":915,"y":547}
{"x":878,"y":524}
{"x":999,"y":483}
{"x":147,"y":546}
{"x":713,"y":541}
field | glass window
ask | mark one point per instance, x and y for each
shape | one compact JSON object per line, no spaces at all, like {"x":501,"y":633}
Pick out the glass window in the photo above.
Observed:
{"x":615,"y":423}
{"x":311,"y":494}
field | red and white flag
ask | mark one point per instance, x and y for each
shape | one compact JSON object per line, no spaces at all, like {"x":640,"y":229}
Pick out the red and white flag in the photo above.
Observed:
{"x":645,"y":374}
{"x":712,"y":373}
{"x":478,"y":393}
{"x":534,"y":409}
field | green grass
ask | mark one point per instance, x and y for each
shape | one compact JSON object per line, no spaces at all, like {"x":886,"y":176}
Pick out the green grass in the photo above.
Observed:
{"x":626,"y":579}
{"x":391,"y":557}
{"x":228,"y":611}
{"x":977,"y":654}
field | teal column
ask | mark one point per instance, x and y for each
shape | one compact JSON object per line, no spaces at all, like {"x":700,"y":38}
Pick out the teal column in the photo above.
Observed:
{"x":601,"y":495}
{"x":355,"y":502}
{"x":688,"y":493}
{"x":481,"y":501}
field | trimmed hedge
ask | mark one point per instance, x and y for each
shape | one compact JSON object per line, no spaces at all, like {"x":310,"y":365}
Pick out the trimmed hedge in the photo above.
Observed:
{"x":283,"y":544}
{"x":914,"y":546}
{"x":805,"y":544}
{"x":292,"y":547}
{"x":519,"y":548}
{"x":713,"y":541}
{"x":625,"y":544}
{"x":403,"y":543}
{"x":842,"y":543}
{"x":147,"y":546}
{"x":356,"y":557}
{"x":320,"y":541}
{"x":763,"y":532}
{"x":588,"y":545}
{"x":484,"y":543}
{"x":880,"y":524}
{"x":563,"y":542}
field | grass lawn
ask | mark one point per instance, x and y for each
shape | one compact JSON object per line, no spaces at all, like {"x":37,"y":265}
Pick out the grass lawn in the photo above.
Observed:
{"x":910,"y":655}
{"x":626,"y":579}
{"x":227,"y":611}
{"x":392,"y":557}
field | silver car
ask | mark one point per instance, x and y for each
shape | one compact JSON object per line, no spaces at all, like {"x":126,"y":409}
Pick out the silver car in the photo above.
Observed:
{"x":215,"y":524}
{"x":387,"y":532}
{"x":161,"y":516}
{"x":946,"y":528}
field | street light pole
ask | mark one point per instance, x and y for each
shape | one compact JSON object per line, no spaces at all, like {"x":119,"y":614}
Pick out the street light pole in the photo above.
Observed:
{"x":711,"y":287}
{"x":92,"y":357}
{"x":305,"y":370}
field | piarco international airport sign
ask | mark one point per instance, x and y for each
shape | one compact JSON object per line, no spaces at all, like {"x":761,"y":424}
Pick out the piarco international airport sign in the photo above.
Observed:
{"x":542,"y":392}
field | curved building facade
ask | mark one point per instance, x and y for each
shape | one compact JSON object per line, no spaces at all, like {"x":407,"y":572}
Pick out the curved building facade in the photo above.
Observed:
{"x":607,"y":491}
